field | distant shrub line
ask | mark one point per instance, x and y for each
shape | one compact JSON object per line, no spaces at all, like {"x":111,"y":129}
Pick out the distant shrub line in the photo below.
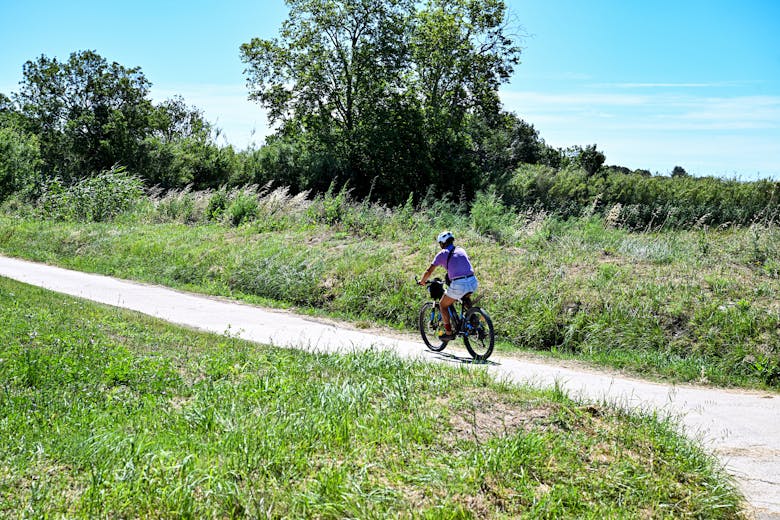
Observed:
{"x":637,"y":201}
{"x":628,"y":200}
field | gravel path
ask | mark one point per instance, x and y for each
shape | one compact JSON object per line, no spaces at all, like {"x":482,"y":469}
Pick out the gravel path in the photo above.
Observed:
{"x":741,"y":427}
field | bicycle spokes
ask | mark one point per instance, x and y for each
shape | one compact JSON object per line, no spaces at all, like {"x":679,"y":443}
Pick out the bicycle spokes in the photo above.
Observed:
{"x":430,"y":324}
{"x":479,"y":336}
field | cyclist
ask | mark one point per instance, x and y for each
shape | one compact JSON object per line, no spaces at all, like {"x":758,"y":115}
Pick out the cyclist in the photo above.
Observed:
{"x":460,"y":279}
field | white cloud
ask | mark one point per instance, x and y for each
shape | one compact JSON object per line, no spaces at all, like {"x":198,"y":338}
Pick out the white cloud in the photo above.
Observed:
{"x":667,"y":85}
{"x":735,"y":113}
{"x":653,"y":111}
{"x":578,"y":99}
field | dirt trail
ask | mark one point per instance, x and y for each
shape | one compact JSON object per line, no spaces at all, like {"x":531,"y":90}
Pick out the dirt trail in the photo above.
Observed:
{"x":741,"y":427}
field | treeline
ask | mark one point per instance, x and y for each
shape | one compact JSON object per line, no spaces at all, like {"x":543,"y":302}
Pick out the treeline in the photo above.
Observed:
{"x":74,"y":119}
{"x":386,"y":98}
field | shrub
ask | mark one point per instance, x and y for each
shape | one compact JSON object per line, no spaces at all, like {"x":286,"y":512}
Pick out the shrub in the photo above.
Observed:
{"x":243,"y":207}
{"x":645,"y":202}
{"x":331,"y":207}
{"x":20,"y":160}
{"x":217,"y":204}
{"x":94,"y":199}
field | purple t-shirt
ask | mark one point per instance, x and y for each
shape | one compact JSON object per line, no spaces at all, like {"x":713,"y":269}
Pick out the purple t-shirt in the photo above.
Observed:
{"x":459,"y":265}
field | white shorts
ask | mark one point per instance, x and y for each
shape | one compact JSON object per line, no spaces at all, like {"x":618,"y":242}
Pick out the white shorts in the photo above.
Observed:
{"x":460,"y":288}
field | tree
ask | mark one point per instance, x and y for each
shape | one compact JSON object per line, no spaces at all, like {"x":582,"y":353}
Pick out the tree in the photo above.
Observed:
{"x":679,"y":171}
{"x":379,"y":91}
{"x":172,"y":120}
{"x":503,"y":143}
{"x":589,"y":158}
{"x":333,"y":65}
{"x":460,"y":57}
{"x":179,"y":149}
{"x":6,"y":108}
{"x":88,"y":114}
{"x":20,"y":157}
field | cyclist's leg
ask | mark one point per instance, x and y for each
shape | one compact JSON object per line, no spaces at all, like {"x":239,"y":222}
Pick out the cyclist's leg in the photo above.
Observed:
{"x":445,"y":304}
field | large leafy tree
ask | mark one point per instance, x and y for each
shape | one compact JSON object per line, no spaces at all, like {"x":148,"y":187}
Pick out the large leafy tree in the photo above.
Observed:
{"x":379,"y":91}
{"x":19,"y":162}
{"x":88,"y":114}
{"x":461,"y":55}
{"x":332,"y":67}
{"x":19,"y":153}
{"x":172,"y":120}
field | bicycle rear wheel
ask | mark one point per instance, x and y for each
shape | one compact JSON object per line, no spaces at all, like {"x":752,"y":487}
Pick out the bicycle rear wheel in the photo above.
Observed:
{"x":480,"y":336}
{"x":431,"y":325}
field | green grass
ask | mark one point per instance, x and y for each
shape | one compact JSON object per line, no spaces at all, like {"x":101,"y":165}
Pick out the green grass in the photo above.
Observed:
{"x":106,"y":413}
{"x":688,"y":306}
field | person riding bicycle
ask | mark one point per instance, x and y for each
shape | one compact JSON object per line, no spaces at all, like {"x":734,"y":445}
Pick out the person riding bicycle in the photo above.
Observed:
{"x":460,"y":279}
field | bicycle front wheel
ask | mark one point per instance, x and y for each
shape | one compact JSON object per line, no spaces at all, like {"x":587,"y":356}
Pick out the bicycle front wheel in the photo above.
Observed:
{"x":431,"y":325}
{"x":480,"y":336}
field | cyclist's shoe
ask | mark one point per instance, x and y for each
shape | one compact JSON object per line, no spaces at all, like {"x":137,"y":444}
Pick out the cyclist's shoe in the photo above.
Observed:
{"x":447,"y":336}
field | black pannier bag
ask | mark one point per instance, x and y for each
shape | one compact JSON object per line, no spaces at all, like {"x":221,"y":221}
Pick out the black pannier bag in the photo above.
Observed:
{"x":436,"y":288}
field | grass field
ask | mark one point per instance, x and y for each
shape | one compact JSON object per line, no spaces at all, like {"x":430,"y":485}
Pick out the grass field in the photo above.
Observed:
{"x":698,"y":305}
{"x":106,"y":413}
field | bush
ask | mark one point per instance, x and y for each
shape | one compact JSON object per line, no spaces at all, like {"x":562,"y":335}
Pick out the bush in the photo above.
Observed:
{"x":243,"y":207}
{"x":331,"y":207}
{"x":197,"y":162}
{"x":217,"y":204}
{"x":94,"y":199}
{"x":20,"y":160}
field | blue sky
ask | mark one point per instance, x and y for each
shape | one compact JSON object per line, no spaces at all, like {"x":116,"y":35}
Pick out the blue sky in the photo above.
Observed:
{"x":654,"y":84}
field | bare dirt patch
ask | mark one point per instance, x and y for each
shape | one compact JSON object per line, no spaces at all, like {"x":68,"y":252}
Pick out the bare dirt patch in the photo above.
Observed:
{"x":484,"y":417}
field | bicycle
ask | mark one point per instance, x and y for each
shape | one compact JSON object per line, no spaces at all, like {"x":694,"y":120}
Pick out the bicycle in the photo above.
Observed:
{"x":472,"y":323}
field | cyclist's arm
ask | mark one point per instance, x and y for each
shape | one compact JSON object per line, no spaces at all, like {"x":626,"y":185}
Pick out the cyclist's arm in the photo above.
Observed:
{"x":427,"y":274}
